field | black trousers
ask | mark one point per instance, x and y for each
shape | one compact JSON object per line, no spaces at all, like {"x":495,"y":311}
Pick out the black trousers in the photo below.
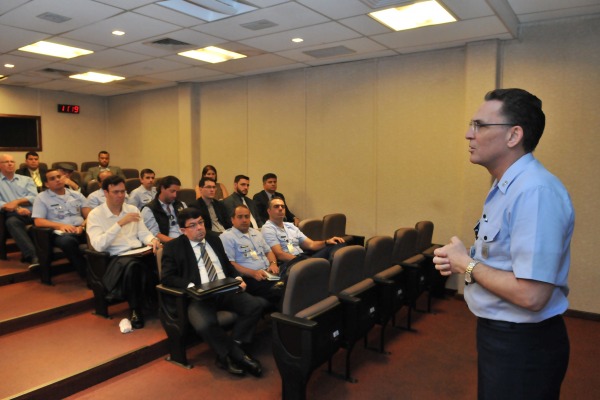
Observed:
{"x":521,"y":361}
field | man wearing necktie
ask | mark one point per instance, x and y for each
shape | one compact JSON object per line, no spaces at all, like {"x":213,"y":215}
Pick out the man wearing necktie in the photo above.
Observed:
{"x":198,"y":257}
{"x":239,"y":197}
{"x":217,"y":219}
{"x":32,"y":169}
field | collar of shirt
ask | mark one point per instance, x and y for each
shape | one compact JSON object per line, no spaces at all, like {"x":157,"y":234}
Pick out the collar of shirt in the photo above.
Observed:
{"x":108,"y":214}
{"x":251,"y":232}
{"x":512,"y":172}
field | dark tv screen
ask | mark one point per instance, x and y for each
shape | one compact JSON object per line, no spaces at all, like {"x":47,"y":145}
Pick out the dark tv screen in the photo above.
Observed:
{"x":20,"y":133}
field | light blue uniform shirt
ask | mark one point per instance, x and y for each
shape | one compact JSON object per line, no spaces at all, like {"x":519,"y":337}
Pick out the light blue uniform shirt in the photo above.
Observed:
{"x":18,"y":187}
{"x":239,"y":248}
{"x":526,"y":228}
{"x":139,"y":197}
{"x":65,"y":209}
{"x":288,"y":235}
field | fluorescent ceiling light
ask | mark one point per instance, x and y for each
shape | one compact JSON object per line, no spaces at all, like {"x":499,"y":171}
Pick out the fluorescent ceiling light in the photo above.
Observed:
{"x":97,"y":77}
{"x":212,"y":54}
{"x":9,"y":65}
{"x":55,"y":50}
{"x":208,"y":10}
{"x":118,"y":33}
{"x":297,"y":40}
{"x":413,"y":16}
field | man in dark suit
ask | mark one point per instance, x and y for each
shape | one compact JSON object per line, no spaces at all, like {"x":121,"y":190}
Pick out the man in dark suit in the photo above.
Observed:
{"x":33,"y":170}
{"x":103,"y":161}
{"x":183,"y":266}
{"x":262,"y":199}
{"x":217,"y":219}
{"x":239,"y":197}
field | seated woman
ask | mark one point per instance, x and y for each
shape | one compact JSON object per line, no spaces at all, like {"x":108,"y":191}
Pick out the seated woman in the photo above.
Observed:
{"x":211,"y":172}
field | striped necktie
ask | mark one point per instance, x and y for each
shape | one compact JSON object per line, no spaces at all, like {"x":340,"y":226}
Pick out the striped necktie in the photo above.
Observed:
{"x":210,"y":268}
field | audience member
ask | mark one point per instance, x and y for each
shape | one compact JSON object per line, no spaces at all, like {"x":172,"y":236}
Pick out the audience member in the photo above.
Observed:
{"x":213,"y":210}
{"x":103,"y":161}
{"x":288,"y":242}
{"x":160,"y":215}
{"x":117,"y":227}
{"x":241,"y":184}
{"x":69,"y":179}
{"x":250,"y":255}
{"x":211,"y":172}
{"x":98,"y":197}
{"x":32,"y":169}
{"x":17,"y":193}
{"x":192,"y":259}
{"x":62,"y":209}
{"x":146,"y":192}
{"x":263,"y":197}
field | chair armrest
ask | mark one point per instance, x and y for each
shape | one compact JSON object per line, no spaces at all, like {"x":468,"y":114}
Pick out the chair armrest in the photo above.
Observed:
{"x":290,"y":320}
{"x":383,"y":281}
{"x":171,"y":291}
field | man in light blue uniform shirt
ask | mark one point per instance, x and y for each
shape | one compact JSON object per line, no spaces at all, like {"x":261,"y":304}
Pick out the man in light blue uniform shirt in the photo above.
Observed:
{"x":250,"y":255}
{"x":516,"y":273}
{"x":146,"y":192}
{"x":62,"y":209}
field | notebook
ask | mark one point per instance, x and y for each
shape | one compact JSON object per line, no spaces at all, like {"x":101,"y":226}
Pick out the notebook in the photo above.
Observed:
{"x":209,"y":289}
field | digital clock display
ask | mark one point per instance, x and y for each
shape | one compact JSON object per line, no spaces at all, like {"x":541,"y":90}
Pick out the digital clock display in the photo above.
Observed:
{"x":68,"y":108}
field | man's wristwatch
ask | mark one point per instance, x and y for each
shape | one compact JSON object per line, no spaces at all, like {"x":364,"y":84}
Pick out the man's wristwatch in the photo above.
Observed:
{"x":469,"y":272}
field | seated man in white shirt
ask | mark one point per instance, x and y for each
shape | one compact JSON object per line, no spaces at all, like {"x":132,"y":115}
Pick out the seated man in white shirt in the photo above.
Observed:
{"x":288,"y":242}
{"x":62,"y":209}
{"x":160,"y":215}
{"x":146,"y":192}
{"x":117,"y":227}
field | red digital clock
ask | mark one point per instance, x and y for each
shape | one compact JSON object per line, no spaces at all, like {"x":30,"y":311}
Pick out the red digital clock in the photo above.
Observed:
{"x":68,"y":108}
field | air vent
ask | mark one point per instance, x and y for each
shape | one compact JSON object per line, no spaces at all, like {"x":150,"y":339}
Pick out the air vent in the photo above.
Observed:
{"x":170,"y":44}
{"x":385,"y":3}
{"x":258,"y":25}
{"x":54,"y":71}
{"x":329,"y":52}
{"x":57,"y":18}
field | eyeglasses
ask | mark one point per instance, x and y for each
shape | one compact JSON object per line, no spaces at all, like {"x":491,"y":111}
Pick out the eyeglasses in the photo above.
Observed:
{"x":194,"y":225}
{"x":475,"y":125}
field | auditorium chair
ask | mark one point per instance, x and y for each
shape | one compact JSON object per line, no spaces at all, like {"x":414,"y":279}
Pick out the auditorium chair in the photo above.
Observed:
{"x":405,"y":254}
{"x":187,"y":196}
{"x":308,"y":330}
{"x":97,"y":264}
{"x":335,"y":225}
{"x":132,"y":184}
{"x":43,"y":240}
{"x":389,"y":278}
{"x":86,"y":165}
{"x":358,"y":295}
{"x":435,"y":282}
{"x":92,"y":186}
{"x":71,"y":163}
{"x":131,"y":172}
{"x":312,"y":227}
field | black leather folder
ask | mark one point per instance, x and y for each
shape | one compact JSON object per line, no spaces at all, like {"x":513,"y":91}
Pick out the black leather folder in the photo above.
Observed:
{"x":213,"y":288}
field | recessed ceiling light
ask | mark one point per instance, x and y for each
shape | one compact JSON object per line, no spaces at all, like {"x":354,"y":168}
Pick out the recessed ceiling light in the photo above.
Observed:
{"x":413,"y":16}
{"x":212,"y":54}
{"x":55,"y":50}
{"x":297,"y":40}
{"x":97,"y":77}
{"x":9,"y":65}
{"x":118,"y":33}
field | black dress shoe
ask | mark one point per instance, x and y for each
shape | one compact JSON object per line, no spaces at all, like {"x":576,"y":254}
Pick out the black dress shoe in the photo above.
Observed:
{"x":228,"y":365}
{"x":250,"y":365}
{"x":137,"y":319}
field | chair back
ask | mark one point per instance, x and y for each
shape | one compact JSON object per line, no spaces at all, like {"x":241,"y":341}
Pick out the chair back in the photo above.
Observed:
{"x":378,"y":257}
{"x":188,"y":196}
{"x":42,"y":165}
{"x":334,"y":225}
{"x":71,"y":163}
{"x":92,"y":186}
{"x":86,"y":165}
{"x":424,"y":235}
{"x":159,"y":253}
{"x":346,"y":268}
{"x":307,"y":284}
{"x":405,"y":244}
{"x":312,"y":227}
{"x":132,"y":184}
{"x":131,"y":173}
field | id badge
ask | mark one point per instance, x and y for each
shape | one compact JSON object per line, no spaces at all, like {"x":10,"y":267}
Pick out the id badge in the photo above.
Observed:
{"x":290,"y":248}
{"x":254,"y":255}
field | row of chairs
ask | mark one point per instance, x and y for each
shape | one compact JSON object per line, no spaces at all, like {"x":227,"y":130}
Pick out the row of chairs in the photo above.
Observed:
{"x":326,"y":308}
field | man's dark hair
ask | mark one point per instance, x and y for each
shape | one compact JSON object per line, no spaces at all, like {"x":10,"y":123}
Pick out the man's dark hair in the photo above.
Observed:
{"x":275,"y":198}
{"x":522,"y":108}
{"x":268,"y":176}
{"x":145,"y":171}
{"x":204,"y":180}
{"x":167,"y":182}
{"x":31,"y":153}
{"x":103,"y":152}
{"x":236,"y":207}
{"x":188,"y":213}
{"x":240,"y":177}
{"x":112,"y":180}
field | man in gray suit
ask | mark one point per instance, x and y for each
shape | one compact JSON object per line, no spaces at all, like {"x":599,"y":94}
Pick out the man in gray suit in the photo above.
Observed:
{"x":103,"y":161}
{"x":239,"y":197}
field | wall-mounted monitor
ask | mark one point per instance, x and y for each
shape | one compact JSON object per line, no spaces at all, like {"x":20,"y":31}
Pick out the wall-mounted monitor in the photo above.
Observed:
{"x":20,"y":133}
